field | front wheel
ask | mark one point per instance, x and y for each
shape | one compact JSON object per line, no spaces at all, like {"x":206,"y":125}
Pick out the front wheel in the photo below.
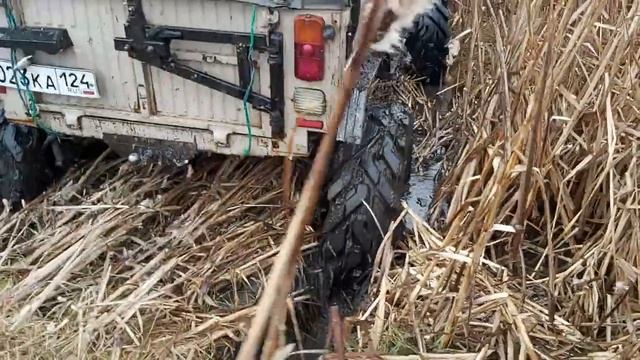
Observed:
{"x":427,"y":43}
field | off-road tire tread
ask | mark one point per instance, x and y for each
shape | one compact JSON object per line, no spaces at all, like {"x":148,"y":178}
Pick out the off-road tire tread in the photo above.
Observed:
{"x":427,"y":43}
{"x":376,"y":173}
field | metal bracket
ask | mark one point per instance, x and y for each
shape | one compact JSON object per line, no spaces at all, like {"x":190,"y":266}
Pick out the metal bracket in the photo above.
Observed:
{"x":30,"y":39}
{"x":152,"y":45}
{"x":72,"y":118}
{"x":221,"y":137}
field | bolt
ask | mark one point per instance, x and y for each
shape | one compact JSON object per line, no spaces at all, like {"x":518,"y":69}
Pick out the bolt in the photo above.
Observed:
{"x":329,"y":32}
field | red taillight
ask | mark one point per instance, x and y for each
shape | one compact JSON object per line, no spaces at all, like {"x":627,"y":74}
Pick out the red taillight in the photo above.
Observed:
{"x":309,"y":124}
{"x":3,"y":90}
{"x":309,"y":47}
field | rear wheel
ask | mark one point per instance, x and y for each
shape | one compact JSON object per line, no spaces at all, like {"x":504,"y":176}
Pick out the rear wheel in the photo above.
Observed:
{"x":367,"y":181}
{"x":363,"y":195}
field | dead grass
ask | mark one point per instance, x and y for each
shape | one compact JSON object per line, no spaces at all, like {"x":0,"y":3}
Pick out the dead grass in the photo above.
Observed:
{"x":539,"y":256}
{"x":140,"y":263}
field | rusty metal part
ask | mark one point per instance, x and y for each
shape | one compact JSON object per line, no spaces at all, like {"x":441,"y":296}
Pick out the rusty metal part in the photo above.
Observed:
{"x":152,"y":150}
{"x":287,"y":173}
{"x":287,"y":176}
{"x":281,"y":277}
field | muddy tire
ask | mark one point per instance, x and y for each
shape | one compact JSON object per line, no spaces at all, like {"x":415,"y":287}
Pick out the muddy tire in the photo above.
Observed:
{"x":427,"y":43}
{"x":24,"y":167}
{"x":363,"y":195}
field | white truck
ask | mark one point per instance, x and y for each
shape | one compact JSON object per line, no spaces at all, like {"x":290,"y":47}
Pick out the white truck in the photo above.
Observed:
{"x":167,"y":79}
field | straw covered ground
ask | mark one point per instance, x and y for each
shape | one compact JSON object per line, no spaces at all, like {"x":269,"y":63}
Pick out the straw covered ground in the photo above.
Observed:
{"x":130,"y":262}
{"x":532,"y":249}
{"x":539,"y":255}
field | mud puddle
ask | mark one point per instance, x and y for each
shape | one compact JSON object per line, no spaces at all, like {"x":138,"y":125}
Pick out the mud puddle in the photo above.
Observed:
{"x":422,"y":190}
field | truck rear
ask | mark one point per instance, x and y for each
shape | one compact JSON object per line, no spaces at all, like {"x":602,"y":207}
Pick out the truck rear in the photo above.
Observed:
{"x":230,"y":77}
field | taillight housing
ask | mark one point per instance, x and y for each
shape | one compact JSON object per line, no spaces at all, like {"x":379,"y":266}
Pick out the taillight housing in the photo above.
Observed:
{"x":309,"y":47}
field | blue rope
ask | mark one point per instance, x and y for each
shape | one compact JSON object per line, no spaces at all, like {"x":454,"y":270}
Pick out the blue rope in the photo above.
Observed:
{"x":247,"y":92}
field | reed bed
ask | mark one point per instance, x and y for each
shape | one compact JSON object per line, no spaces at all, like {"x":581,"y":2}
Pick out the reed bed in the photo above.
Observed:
{"x":130,"y":262}
{"x":532,"y":248}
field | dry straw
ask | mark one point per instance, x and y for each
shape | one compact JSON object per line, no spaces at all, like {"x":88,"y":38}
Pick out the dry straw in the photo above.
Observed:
{"x":140,"y":263}
{"x":539,"y":256}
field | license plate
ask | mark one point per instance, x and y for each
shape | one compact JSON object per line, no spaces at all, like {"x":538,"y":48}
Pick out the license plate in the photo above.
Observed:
{"x":51,"y":80}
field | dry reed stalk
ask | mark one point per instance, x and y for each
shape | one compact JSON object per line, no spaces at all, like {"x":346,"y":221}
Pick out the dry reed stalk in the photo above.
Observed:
{"x":547,"y":142}
{"x":140,"y":262}
{"x":146,"y":263}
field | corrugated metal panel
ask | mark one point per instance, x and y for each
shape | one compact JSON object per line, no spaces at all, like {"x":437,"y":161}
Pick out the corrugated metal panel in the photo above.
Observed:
{"x":176,"y":96}
{"x":92,"y":25}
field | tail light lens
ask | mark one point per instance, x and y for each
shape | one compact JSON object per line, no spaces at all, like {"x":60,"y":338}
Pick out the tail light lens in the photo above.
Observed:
{"x":309,"y":101}
{"x":309,"y":47}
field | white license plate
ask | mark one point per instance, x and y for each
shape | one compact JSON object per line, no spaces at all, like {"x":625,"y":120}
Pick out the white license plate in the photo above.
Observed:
{"x":51,"y":80}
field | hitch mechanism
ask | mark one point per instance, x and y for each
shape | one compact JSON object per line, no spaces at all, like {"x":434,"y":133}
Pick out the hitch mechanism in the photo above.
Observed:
{"x":152,"y":45}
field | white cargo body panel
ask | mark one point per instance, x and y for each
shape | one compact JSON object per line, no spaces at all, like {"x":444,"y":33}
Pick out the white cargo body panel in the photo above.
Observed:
{"x":147,"y":101}
{"x":176,"y":96}
{"x":92,"y":25}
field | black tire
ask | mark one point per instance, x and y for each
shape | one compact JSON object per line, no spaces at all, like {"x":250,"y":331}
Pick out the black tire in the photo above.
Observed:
{"x":364,"y":179}
{"x":25,"y":168}
{"x":427,"y":43}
